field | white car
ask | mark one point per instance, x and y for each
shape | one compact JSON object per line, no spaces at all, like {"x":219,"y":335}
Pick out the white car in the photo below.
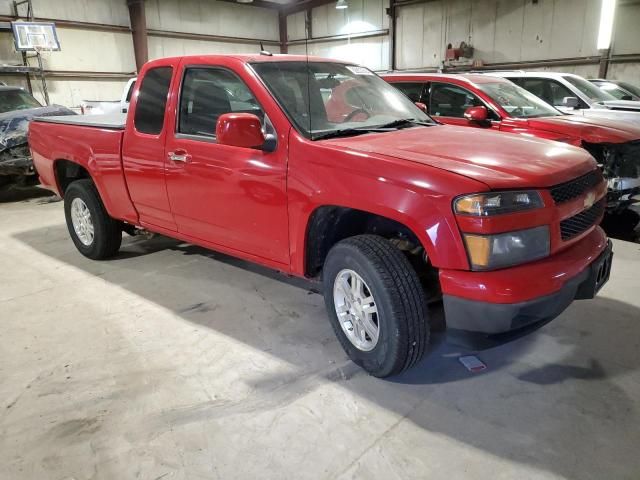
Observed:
{"x":573,"y":94}
{"x":108,"y":107}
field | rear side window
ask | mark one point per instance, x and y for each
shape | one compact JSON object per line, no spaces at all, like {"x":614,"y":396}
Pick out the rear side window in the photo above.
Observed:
{"x":152,"y":100}
{"x":411,"y":90}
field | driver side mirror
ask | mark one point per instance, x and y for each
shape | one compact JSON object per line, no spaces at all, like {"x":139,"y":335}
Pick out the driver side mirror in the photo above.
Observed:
{"x":243,"y":130}
{"x":421,"y":106}
{"x":626,"y":97}
{"x":476,"y":114}
{"x":570,"y":102}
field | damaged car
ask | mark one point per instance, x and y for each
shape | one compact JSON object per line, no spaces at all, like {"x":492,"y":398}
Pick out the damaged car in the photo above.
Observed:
{"x":17,"y":108}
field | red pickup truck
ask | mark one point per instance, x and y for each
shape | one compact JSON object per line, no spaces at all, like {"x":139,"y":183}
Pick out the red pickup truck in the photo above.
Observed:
{"x":320,"y":169}
{"x":486,"y":102}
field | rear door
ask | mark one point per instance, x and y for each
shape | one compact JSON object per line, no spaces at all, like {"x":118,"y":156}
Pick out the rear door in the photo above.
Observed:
{"x":230,"y":196}
{"x":447,"y":103}
{"x":143,"y":157}
{"x":414,"y":90}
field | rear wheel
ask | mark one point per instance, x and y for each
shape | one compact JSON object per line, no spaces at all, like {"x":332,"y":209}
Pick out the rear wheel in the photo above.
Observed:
{"x":376,"y":305}
{"x":95,"y":234}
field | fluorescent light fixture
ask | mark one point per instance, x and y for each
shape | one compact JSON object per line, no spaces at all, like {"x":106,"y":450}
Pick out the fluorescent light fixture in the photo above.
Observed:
{"x":607,"y":14}
{"x":342,"y":4}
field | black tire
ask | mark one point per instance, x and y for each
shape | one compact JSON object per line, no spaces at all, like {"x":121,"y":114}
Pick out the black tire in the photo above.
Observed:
{"x":402,"y":309}
{"x":107,"y":231}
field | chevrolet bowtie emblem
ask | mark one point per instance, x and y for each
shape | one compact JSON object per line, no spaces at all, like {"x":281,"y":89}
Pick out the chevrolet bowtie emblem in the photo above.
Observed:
{"x":589,"y":200}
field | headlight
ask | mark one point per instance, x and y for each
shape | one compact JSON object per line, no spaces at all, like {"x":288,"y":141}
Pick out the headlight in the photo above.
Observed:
{"x":496,"y":203}
{"x":487,"y":252}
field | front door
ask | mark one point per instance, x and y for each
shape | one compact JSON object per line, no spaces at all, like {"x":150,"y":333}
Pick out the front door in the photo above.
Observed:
{"x":447,"y":104}
{"x":231,"y":196}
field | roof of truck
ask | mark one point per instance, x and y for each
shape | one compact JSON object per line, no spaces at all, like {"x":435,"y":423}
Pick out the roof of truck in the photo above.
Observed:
{"x":467,"y":77}
{"x":257,"y":57}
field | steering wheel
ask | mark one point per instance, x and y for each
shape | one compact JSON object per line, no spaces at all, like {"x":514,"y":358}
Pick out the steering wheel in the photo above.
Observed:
{"x":355,"y":112}
{"x":517,"y":111}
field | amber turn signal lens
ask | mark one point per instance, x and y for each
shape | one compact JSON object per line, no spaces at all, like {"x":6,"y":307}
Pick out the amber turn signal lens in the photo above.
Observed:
{"x":479,"y":249}
{"x":487,"y":252}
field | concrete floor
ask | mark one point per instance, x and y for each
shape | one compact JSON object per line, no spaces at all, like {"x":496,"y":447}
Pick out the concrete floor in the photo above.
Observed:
{"x":171,"y":362}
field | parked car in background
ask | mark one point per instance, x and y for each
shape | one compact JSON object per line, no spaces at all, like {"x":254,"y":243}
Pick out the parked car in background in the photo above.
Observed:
{"x":107,"y":107}
{"x":573,"y":94}
{"x":255,"y":156}
{"x":620,"y":90}
{"x":495,"y":103}
{"x":17,"y":108}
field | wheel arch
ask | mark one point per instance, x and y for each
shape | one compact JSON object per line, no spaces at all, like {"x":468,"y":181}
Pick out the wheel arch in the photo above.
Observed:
{"x":328,"y":224}
{"x":67,"y":171}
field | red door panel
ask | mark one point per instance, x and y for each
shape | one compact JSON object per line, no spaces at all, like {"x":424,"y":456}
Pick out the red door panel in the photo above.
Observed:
{"x":231,"y":196}
{"x":143,"y":156}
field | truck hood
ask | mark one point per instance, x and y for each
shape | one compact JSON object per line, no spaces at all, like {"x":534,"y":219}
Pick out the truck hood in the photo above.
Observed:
{"x":628,"y":105}
{"x":495,"y":159}
{"x":589,"y":129}
{"x":14,"y":124}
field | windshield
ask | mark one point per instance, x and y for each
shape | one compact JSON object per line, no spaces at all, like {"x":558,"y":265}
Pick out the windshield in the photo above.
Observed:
{"x":322,"y":98}
{"x":630,"y":88}
{"x":16,"y":100}
{"x":589,"y":89}
{"x":517,"y":101}
{"x":615,"y":90}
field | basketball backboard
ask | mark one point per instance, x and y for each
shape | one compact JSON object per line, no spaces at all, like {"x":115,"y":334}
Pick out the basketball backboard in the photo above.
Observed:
{"x":35,"y":36}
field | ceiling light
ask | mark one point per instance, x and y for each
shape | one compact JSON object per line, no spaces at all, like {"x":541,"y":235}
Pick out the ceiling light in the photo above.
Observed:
{"x":606,"y":24}
{"x":342,"y":4}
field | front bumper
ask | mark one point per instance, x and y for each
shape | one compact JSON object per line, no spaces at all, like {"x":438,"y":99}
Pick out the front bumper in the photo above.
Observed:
{"x":479,"y":323}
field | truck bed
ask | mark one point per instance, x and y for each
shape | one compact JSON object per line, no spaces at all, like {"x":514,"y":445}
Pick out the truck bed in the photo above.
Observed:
{"x":114,"y":121}
{"x":92,"y":143}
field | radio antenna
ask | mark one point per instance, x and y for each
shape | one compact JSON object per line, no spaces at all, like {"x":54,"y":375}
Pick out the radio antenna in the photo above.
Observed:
{"x":265,"y":52}
{"x":306,"y":51}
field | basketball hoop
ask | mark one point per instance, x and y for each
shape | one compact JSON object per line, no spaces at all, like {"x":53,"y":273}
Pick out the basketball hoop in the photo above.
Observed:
{"x":43,"y":50}
{"x":35,"y":36}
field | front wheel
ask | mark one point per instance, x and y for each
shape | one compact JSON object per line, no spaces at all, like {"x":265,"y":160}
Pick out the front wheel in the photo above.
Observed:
{"x":95,"y":234}
{"x":376,"y":305}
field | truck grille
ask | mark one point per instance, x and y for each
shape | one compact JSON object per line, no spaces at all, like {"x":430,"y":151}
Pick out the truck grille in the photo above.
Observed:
{"x":581,"y":222}
{"x":570,"y":190}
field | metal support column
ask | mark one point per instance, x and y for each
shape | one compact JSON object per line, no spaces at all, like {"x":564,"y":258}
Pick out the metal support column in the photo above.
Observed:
{"x":138,"y":31}
{"x":604,"y":63}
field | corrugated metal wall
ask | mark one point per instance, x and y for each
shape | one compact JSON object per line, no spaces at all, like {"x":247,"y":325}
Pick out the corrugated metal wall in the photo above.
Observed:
{"x":501,"y":31}
{"x":82,"y":50}
{"x":206,"y":17}
{"x":362,"y":17}
{"x":110,"y":53}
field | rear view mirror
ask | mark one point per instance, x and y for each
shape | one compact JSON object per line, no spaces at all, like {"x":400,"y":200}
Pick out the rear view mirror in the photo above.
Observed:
{"x":240,"y":130}
{"x":476,"y":114}
{"x":570,"y":102}
{"x":421,"y":106}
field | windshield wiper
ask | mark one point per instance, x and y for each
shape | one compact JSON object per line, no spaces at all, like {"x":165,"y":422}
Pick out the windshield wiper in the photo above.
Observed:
{"x":405,"y":122}
{"x":387,"y":127}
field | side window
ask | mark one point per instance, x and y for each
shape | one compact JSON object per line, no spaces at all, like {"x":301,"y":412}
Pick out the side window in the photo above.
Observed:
{"x":450,"y":100}
{"x":411,"y":90}
{"x":152,"y":100}
{"x":549,"y":90}
{"x":208,"y":93}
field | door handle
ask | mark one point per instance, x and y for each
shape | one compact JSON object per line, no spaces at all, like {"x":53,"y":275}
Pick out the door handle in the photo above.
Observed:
{"x":179,"y":155}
